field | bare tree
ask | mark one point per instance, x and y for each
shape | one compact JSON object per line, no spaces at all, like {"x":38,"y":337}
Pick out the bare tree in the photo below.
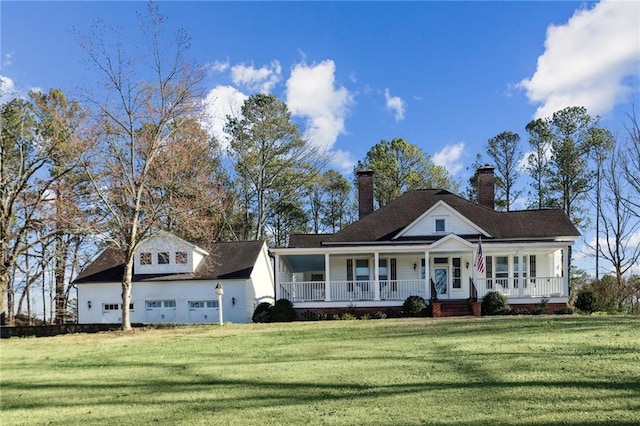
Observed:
{"x":619,"y":222}
{"x":631,"y":161}
{"x":150,"y":94}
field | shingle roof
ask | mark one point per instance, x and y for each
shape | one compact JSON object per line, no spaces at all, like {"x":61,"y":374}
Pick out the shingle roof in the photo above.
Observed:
{"x":234,"y":260}
{"x":386,"y":222}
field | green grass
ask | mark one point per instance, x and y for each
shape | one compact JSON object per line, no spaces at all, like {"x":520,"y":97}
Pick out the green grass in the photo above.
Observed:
{"x":513,"y":370}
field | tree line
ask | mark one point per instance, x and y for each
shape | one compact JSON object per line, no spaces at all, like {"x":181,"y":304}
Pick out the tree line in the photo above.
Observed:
{"x":133,"y":158}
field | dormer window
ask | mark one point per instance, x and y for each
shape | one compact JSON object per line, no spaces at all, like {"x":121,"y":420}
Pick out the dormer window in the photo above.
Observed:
{"x":440,"y":225}
{"x":163,"y":258}
{"x":145,"y":258}
{"x":181,"y":257}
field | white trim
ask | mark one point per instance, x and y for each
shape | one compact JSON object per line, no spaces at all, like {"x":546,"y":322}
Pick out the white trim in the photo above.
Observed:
{"x":451,"y":210}
{"x":465,"y":243}
{"x":486,"y":245}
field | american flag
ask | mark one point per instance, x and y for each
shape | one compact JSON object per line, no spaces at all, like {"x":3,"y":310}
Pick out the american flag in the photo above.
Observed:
{"x":480,"y":258}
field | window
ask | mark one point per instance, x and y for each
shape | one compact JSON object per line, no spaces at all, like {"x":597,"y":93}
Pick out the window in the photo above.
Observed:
{"x":532,"y":267}
{"x":457,"y":273}
{"x":362,"y":269}
{"x":201,"y":304}
{"x":383,"y":271}
{"x":489,"y":271}
{"x":163,"y":258}
{"x":181,"y":257}
{"x":317,"y":277}
{"x":440,"y":225}
{"x":394,"y":274}
{"x":160,"y":304}
{"x":350,"y":274}
{"x":502,"y":271}
{"x":145,"y":258}
{"x":110,"y":307}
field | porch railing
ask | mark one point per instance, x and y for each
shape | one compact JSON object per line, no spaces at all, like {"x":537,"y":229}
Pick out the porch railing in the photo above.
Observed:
{"x":312,"y":291}
{"x":527,"y":287}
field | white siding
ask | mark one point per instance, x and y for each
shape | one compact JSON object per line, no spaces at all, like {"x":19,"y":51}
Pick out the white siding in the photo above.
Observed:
{"x":453,"y":223}
{"x":260,"y":287}
{"x":180,"y":291}
{"x":171,"y":245}
{"x":338,"y":268}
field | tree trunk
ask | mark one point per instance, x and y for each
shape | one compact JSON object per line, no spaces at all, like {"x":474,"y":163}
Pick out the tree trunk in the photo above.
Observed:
{"x":126,"y":293}
{"x":61,"y":253}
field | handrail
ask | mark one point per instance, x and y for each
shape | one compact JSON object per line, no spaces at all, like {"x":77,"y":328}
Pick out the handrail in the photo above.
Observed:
{"x":434,"y":291}
{"x":473,"y":291}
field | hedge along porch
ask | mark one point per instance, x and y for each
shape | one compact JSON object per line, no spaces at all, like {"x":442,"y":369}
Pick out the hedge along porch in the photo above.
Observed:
{"x":426,"y":243}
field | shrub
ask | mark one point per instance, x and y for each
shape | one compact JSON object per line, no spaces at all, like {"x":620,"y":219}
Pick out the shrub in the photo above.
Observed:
{"x":494,"y":303}
{"x":262,"y":312}
{"x":541,"y":308}
{"x":282,"y":311}
{"x":379,"y":315}
{"x":414,"y":306}
{"x":565,"y":310}
{"x":348,"y":316}
{"x":586,"y":301}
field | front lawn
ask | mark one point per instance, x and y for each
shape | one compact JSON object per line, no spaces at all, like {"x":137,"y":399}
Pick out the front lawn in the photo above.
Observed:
{"x":509,"y":370}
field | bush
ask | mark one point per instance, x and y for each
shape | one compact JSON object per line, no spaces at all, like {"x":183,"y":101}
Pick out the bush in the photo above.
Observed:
{"x":348,"y":316}
{"x":586,"y":301}
{"x":565,"y":310}
{"x":494,"y":303}
{"x":262,"y":312}
{"x":282,"y":311}
{"x":414,"y":306}
{"x":379,"y":315}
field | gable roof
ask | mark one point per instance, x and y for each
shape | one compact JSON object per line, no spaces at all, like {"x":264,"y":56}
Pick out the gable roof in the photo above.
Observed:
{"x":390,"y":220}
{"x":233,"y":260}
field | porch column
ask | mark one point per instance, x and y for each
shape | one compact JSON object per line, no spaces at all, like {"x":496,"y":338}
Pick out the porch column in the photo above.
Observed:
{"x":376,"y":275}
{"x":521,"y":269}
{"x":427,"y":274}
{"x":277,"y":276}
{"x":565,"y":269}
{"x":327,"y":281}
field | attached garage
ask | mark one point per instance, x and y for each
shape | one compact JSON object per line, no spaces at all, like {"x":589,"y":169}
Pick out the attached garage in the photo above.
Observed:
{"x":203,"y":311}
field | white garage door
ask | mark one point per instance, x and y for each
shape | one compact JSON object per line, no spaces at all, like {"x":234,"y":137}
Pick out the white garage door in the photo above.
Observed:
{"x":203,"y":311}
{"x":160,"y":311}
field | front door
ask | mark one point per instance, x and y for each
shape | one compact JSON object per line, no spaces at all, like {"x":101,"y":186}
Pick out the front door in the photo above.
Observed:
{"x":441,"y":280}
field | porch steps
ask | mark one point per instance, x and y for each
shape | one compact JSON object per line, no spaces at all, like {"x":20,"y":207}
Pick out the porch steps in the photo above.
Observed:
{"x":455,"y":308}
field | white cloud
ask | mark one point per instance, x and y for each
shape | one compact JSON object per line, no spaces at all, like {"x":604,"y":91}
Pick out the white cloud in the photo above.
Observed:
{"x":8,"y":59}
{"x":7,"y":89}
{"x":342,"y":161}
{"x":396,"y":104}
{"x":261,"y":80}
{"x":449,"y":157}
{"x":311,"y":94}
{"x":220,"y":102}
{"x":219,"y":66}
{"x":589,"y":60}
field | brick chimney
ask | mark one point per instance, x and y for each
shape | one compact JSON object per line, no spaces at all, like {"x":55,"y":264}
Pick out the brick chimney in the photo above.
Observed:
{"x":365,"y":192}
{"x":486,"y":191}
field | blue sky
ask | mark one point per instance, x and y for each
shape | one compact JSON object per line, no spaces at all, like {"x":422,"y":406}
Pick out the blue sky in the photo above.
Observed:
{"x":445,"y":76}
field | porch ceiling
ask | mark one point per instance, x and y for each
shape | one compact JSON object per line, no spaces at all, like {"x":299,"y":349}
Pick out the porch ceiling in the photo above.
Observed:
{"x":305,"y":262}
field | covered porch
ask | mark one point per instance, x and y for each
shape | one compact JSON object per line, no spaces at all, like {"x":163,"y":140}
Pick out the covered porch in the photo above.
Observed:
{"x":380,"y":276}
